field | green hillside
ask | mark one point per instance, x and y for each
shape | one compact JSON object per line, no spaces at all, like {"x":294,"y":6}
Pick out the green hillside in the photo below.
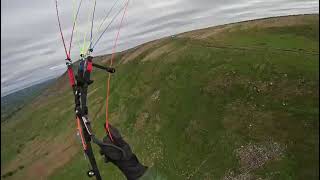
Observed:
{"x":237,"y":101}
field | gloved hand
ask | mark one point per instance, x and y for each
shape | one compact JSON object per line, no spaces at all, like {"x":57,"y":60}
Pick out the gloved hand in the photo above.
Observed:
{"x":119,"y":153}
{"x":114,"y":150}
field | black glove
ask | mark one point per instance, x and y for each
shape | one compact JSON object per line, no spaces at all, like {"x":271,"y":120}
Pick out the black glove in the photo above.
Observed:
{"x":106,"y":160}
{"x":114,"y":150}
{"x":119,"y":153}
{"x":122,"y":151}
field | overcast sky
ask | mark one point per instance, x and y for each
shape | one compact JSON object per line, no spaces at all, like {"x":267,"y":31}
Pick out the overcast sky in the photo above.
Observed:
{"x":31,"y":47}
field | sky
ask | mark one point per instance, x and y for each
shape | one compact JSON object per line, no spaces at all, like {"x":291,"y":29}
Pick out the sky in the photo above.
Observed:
{"x":32,"y":50}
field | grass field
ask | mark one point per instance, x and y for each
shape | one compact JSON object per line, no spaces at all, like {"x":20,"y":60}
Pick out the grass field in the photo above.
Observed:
{"x":238,"y":101}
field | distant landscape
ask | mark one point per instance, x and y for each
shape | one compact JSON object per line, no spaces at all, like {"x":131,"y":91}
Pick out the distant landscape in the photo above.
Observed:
{"x":231,"y":102}
{"x":12,"y":103}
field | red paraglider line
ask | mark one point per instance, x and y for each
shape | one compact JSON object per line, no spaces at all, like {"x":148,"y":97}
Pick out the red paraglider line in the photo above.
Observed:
{"x":109,"y":77}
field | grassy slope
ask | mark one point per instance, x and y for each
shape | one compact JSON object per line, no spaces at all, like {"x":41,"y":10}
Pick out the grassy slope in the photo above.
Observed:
{"x":188,"y":102}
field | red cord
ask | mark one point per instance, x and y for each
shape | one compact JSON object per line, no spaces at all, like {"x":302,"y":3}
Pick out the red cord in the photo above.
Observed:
{"x":63,"y":41}
{"x":109,"y":77}
{"x":68,"y":53}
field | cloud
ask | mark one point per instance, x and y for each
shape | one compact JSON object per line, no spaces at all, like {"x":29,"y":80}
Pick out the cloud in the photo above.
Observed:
{"x":31,"y":47}
{"x":60,"y":66}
